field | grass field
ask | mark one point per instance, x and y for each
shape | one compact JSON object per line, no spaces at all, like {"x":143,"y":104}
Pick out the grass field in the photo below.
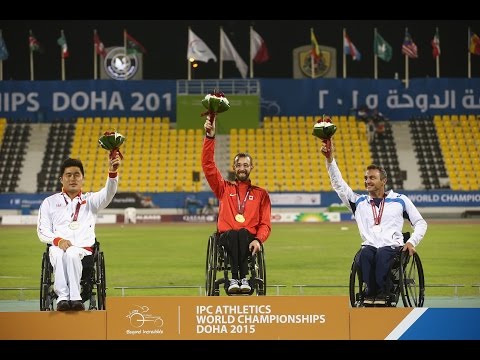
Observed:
{"x":295,"y":254}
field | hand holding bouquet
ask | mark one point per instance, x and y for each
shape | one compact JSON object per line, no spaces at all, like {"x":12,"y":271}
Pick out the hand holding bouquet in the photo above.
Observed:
{"x":324,"y":129}
{"x":111,"y":140}
{"x":215,"y":103}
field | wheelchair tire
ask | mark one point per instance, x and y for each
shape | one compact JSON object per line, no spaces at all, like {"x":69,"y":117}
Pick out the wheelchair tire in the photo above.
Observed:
{"x":356,"y":285}
{"x":101,"y":282}
{"x":412,"y":280}
{"x":211,"y":266}
{"x":46,"y":299}
{"x":260,"y":274}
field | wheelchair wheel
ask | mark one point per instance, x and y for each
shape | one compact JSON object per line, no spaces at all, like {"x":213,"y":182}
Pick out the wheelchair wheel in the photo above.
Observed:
{"x":101,"y":281}
{"x":356,"y":286}
{"x":259,"y":273}
{"x":47,"y":295}
{"x":412,"y":281}
{"x":211,"y":266}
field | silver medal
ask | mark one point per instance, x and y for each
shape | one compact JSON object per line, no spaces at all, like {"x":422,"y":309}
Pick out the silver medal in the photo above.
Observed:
{"x":377,"y":229}
{"x":74,"y":225}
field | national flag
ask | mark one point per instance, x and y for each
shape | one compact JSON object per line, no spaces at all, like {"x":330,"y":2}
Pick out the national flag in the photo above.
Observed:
{"x":34,"y":44}
{"x":3,"y":49}
{"x":381,"y":48}
{"x":350,"y":49}
{"x":229,"y":53}
{"x":133,"y":46}
{"x":62,"y":41}
{"x":474,"y":44}
{"x":258,"y":49}
{"x":198,"y":50}
{"x":436,"y":45}
{"x":315,"y":52}
{"x":408,"y":47}
{"x":99,"y":47}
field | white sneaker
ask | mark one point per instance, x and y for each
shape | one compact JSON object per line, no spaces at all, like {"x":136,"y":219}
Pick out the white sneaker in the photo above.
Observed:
{"x":233,"y":288}
{"x":245,"y":287}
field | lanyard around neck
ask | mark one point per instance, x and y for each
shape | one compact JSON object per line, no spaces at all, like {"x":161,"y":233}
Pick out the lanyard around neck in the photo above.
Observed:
{"x":377,"y":218}
{"x":241,"y":206}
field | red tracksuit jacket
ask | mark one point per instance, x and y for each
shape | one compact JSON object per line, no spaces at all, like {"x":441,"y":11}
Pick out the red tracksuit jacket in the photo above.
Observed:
{"x":258,"y":208}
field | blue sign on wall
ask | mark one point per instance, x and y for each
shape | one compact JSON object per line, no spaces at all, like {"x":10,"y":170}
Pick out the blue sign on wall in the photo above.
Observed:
{"x":175,"y":200}
{"x":50,"y":100}
{"x":342,"y":96}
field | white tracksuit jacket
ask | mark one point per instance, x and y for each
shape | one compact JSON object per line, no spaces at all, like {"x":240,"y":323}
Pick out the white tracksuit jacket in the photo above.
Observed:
{"x":397,"y":208}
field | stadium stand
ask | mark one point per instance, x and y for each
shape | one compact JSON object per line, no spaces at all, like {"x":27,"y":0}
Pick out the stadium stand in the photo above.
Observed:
{"x":57,"y":149}
{"x":287,"y":157}
{"x":161,"y":158}
{"x":459,"y":139}
{"x":384,"y":153}
{"x":12,"y":153}
{"x":428,"y":152}
{"x":157,"y":157}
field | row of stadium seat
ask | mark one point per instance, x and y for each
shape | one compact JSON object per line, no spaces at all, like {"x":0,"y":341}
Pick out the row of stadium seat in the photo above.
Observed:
{"x":286,"y":155}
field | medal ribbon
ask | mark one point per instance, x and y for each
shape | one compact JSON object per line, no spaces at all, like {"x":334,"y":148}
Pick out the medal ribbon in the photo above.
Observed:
{"x":378,"y":218}
{"x":241,"y":207}
{"x":77,"y":209}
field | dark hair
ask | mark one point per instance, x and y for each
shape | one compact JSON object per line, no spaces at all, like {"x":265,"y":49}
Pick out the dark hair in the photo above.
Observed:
{"x":381,"y":169}
{"x":240,"y":155}
{"x":71,"y":162}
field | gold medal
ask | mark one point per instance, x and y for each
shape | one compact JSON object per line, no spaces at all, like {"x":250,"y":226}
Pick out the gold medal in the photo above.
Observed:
{"x":239,"y":218}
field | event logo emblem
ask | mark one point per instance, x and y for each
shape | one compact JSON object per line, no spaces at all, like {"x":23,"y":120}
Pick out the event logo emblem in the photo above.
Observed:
{"x":321,"y":66}
{"x":120,"y":66}
{"x":139,"y":317}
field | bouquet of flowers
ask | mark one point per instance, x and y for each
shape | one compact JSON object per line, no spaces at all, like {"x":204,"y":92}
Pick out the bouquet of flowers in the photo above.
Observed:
{"x":215,"y":103}
{"x":112,"y":140}
{"x":324,"y":129}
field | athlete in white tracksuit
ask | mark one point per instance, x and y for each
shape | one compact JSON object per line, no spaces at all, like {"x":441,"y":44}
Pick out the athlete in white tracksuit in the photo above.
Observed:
{"x":66,"y":220}
{"x":380,"y":217}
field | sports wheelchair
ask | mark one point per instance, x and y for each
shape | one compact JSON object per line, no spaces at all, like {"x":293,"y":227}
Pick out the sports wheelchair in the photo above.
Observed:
{"x":93,"y":276}
{"x":406,"y":278}
{"x":218,"y":262}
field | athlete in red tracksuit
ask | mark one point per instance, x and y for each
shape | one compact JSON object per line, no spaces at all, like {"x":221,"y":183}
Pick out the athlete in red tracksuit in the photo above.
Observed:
{"x":244,"y":210}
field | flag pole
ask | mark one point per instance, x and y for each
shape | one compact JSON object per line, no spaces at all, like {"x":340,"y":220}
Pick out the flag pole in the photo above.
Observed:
{"x":95,"y":58}
{"x":312,"y":64}
{"x":406,"y":72}
{"x":62,"y":58}
{"x":1,"y":62}
{"x":32,"y":76}
{"x":189,"y":64}
{"x":437,"y":59}
{"x":220,"y":76}
{"x":406,"y":66}
{"x":469,"y":56}
{"x":344,"y":55}
{"x":438,"y":66}
{"x":251,"y":58}
{"x":375,"y":55}
{"x":125,"y":42}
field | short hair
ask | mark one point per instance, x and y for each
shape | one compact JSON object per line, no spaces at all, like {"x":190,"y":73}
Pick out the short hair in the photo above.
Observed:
{"x":240,"y":155}
{"x":71,"y":162}
{"x":381,"y":169}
